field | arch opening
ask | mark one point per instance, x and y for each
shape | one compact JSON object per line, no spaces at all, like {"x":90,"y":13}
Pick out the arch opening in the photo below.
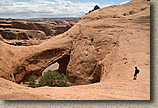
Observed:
{"x":54,"y":66}
{"x":59,"y":65}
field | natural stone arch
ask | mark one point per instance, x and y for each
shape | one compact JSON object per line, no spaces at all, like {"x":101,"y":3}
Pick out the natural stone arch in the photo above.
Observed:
{"x":62,"y":68}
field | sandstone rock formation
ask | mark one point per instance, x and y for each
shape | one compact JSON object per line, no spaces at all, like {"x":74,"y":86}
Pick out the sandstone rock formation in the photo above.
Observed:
{"x":31,"y":32}
{"x":121,"y":42}
{"x":1,"y":38}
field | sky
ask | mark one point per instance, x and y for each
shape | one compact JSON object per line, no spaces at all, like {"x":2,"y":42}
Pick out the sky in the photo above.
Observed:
{"x":26,"y":9}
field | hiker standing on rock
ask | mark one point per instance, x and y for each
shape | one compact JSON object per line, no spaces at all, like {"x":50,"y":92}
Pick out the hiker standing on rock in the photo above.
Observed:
{"x":135,"y":74}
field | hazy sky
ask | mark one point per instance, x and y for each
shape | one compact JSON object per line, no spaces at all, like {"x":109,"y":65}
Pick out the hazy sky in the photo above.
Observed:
{"x":51,"y":8}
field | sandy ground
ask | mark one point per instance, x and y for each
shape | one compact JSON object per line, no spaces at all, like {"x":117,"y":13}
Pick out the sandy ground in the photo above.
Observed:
{"x":122,"y":90}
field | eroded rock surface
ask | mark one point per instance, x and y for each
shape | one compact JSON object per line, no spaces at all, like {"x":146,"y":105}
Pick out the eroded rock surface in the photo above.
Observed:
{"x":121,"y":42}
{"x":31,"y":32}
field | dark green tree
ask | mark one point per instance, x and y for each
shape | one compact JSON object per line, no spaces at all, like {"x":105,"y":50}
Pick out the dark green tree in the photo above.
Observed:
{"x":53,"y":79}
{"x":96,"y":7}
{"x":32,"y":81}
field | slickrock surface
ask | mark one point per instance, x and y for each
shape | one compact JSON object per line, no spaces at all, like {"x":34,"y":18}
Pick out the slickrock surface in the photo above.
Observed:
{"x":121,"y":42}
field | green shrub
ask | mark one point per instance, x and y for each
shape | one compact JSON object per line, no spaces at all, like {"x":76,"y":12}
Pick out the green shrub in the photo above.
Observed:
{"x":32,"y":81}
{"x":92,"y":39}
{"x":95,"y":8}
{"x":53,"y":79}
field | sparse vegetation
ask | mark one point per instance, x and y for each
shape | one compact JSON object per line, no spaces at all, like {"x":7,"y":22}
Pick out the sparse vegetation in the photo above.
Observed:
{"x":95,"y":8}
{"x":92,"y":39}
{"x":32,"y":81}
{"x":50,"y":78}
{"x":53,"y":79}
